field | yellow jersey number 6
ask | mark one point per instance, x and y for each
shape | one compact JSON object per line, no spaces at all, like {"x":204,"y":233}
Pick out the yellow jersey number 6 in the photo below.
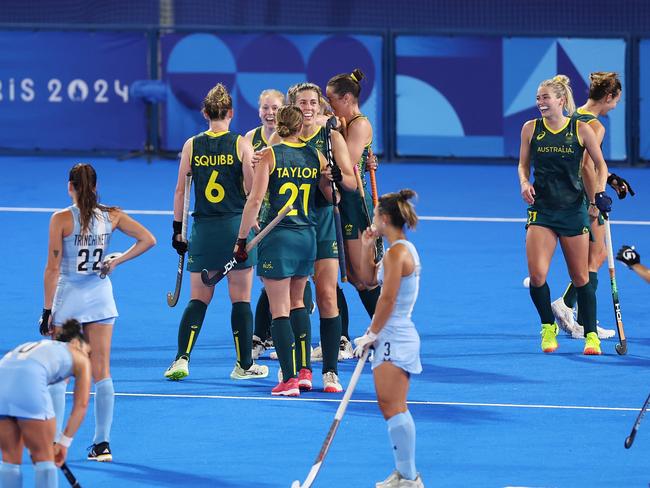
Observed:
{"x":214,"y":192}
{"x":293,"y":188}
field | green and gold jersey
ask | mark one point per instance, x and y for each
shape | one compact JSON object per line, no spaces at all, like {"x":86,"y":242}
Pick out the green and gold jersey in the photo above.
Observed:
{"x":583,"y":116}
{"x":556,"y":157}
{"x":217,"y":174}
{"x":317,"y":141}
{"x":293,"y":180}
{"x":259,"y":141}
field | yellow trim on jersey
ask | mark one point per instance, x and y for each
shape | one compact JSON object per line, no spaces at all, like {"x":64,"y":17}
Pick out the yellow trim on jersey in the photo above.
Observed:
{"x":272,"y":169}
{"x":209,"y":133}
{"x":568,"y":119}
{"x":191,"y":150}
{"x":358,"y":116}
{"x":306,"y":139}
{"x":261,"y":127}
{"x":578,"y":122}
{"x":582,"y":111}
{"x":294,"y":144}
{"x":237,"y":148}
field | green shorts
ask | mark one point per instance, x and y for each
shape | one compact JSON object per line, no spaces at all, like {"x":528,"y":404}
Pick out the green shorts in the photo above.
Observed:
{"x":565,"y":222}
{"x":326,"y":247}
{"x":353,"y":218}
{"x":212,"y":241}
{"x":287,"y":252}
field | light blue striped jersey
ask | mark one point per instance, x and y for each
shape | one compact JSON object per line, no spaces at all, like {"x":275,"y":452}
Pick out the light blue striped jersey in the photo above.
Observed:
{"x":83,"y":254}
{"x":53,"y":356}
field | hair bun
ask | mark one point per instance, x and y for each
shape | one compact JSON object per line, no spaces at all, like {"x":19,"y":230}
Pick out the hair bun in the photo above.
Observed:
{"x":561,"y":79}
{"x":406,"y":194}
{"x":357,"y":75}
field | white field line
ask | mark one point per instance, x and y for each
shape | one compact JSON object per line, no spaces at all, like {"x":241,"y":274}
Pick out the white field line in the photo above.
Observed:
{"x":421,"y":217}
{"x":337,"y":400}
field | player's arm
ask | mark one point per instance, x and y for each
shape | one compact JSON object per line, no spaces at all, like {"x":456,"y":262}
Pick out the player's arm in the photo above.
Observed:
{"x":256,"y":196}
{"x":82,"y":379}
{"x":358,"y":135}
{"x":523,"y":169}
{"x":394,"y":262}
{"x":245,"y":154}
{"x":54,"y":255}
{"x":324,"y":184}
{"x":342,"y":157}
{"x":184,"y":167}
{"x":592,"y":145}
{"x":144,"y":240}
{"x":368,"y":270}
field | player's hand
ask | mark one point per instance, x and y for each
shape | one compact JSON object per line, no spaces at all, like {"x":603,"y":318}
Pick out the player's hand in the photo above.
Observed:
{"x":628,"y":255}
{"x":528,"y":192}
{"x":364,"y":342}
{"x":177,"y":239}
{"x":44,"y":322}
{"x":257,"y":157}
{"x":369,"y":236}
{"x":603,"y":202}
{"x":593,"y":211}
{"x":109,"y":264}
{"x":372,"y":163}
{"x":620,"y":186}
{"x":240,"y":252}
{"x":333,"y":173}
{"x":60,"y":453}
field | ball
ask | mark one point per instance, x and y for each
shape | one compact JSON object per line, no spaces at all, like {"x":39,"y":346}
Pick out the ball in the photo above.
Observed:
{"x":527,"y":282}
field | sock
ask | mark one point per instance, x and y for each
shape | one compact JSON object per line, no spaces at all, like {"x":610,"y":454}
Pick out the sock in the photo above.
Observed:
{"x":45,"y":475}
{"x":542,"y":299}
{"x":587,"y":307}
{"x":330,"y":335}
{"x":401,"y":430}
{"x":342,"y":303}
{"x":369,"y":299}
{"x":241,"y":322}
{"x":307,"y":298}
{"x":593,"y":281}
{"x":301,"y":326}
{"x":10,"y":475}
{"x":188,"y":331}
{"x":284,"y":345}
{"x":263,"y":317}
{"x":104,"y":403}
{"x":57,"y":392}
{"x":570,"y":296}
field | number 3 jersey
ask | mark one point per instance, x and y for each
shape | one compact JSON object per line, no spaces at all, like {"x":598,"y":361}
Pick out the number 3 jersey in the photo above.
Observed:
{"x":80,"y":293}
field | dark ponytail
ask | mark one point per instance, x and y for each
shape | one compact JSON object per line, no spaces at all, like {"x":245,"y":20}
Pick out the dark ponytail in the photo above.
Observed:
{"x":347,"y":83}
{"x":71,"y":330}
{"x":398,"y":208}
{"x":84,"y":181}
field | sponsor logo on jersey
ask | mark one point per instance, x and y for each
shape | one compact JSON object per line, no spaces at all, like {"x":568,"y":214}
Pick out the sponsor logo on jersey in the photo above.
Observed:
{"x":267,"y":265}
{"x":540,"y":136}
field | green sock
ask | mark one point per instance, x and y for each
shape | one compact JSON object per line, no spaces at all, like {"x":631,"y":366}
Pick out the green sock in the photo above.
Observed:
{"x":241,"y":322}
{"x":593,"y":281}
{"x":587,"y":307}
{"x":188,"y":330}
{"x":307,"y":298}
{"x":301,"y":326}
{"x":284,"y":345}
{"x":541,"y":296}
{"x":263,"y":317}
{"x":330,"y":336}
{"x":369,"y":299}
{"x":570,"y":296}
{"x":342,"y":303}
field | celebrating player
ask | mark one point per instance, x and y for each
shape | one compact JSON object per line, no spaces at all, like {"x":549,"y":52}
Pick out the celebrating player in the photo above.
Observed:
{"x":78,"y":243}
{"x":343,"y":94}
{"x":391,"y":331}
{"x":220,"y":163}
{"x":604,"y":94}
{"x":555,"y":144}
{"x":290,"y":172}
{"x":26,"y":410}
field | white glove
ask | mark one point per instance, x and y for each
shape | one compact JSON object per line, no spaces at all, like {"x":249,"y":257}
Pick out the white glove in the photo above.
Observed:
{"x":364,"y":342}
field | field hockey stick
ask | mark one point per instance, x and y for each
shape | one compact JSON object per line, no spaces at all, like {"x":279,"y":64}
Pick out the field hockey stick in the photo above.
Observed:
{"x":69,"y":476}
{"x":630,"y":438}
{"x":331,"y":124}
{"x":373,"y":182}
{"x":379,"y":242}
{"x":172,"y":299}
{"x":313,"y":472}
{"x":621,"y":347}
{"x":228,"y":267}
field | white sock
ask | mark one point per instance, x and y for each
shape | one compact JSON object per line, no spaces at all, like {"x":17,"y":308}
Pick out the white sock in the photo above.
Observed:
{"x":104,"y":403}
{"x":401,"y":430}
{"x":46,"y":475}
{"x":10,"y":475}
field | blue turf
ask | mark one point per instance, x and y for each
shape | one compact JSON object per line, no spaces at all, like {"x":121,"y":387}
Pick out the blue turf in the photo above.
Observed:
{"x":480,"y":345}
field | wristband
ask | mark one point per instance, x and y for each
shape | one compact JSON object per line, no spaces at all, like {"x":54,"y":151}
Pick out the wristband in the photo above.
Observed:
{"x":592,"y":204}
{"x":65,"y":441}
{"x":177,"y":226}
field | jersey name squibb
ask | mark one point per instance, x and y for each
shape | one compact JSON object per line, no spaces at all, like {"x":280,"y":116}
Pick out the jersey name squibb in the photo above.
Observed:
{"x":85,"y":240}
{"x":294,"y":172}
{"x":213,"y":160}
{"x":555,"y":149}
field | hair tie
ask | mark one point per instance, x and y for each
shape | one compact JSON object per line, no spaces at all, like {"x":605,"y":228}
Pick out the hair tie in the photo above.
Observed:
{"x":354,"y":77}
{"x":557,"y":78}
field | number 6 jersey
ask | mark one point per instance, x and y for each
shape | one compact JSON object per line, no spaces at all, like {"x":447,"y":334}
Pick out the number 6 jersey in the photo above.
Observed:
{"x":80,"y":293}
